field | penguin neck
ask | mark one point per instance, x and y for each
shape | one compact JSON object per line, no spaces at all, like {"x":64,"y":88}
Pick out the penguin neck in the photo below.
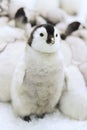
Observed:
{"x":30,"y":52}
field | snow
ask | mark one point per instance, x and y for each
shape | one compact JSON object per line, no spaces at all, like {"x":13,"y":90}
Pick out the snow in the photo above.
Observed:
{"x":55,"y":121}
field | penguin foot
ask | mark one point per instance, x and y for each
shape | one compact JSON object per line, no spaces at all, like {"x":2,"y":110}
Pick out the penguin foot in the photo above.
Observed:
{"x":27,"y":118}
{"x":40,"y":116}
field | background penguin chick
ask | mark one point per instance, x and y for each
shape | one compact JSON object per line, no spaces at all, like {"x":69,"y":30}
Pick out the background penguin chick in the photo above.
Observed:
{"x":74,"y":9}
{"x":83,"y":69}
{"x":52,"y":14}
{"x":70,"y":29}
{"x":24,"y":16}
{"x":14,"y":5}
{"x":4,"y":5}
{"x":9,"y":56}
{"x":13,"y":35}
{"x":67,"y":53}
{"x":40,"y":20}
{"x":42,"y":6}
{"x":55,"y":16}
{"x":81,"y":33}
{"x":20,"y":18}
{"x":77,"y":45}
{"x":3,"y":21}
{"x":73,"y":101}
{"x":34,"y":90}
{"x":61,"y":27}
{"x":78,"y":9}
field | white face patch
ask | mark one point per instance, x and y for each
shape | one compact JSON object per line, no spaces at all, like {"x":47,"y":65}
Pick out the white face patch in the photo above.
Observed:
{"x":39,"y":41}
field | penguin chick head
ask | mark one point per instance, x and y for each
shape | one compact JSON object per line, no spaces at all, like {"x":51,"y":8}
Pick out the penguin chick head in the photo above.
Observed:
{"x":45,"y":38}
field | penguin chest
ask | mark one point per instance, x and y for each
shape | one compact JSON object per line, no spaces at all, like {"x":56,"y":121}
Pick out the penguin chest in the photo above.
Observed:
{"x":43,"y":82}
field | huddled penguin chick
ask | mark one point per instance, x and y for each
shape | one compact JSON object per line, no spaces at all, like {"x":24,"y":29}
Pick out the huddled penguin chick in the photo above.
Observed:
{"x":67,"y":53}
{"x":4,"y":7}
{"x":53,"y":14}
{"x":17,"y":4}
{"x":10,"y":54}
{"x":20,"y":16}
{"x":3,"y":21}
{"x":39,"y":76}
{"x":70,"y":29}
{"x":83,"y":68}
{"x":13,"y":35}
{"x":24,"y":16}
{"x":76,"y":45}
{"x":77,"y":9}
{"x":73,"y":101}
{"x":81,"y":33}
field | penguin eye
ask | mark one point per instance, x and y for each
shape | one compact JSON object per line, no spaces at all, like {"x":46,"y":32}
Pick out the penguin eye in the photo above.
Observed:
{"x":56,"y":35}
{"x":41,"y":34}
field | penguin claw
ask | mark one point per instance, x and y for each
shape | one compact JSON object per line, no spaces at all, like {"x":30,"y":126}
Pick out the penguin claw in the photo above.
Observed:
{"x":27,"y":118}
{"x":40,"y":116}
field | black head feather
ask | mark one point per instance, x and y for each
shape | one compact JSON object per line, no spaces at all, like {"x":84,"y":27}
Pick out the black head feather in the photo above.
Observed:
{"x":70,"y":29}
{"x":21,"y":13}
{"x":50,"y":31}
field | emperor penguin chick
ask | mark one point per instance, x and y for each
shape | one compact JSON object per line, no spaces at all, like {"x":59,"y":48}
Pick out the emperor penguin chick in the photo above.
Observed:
{"x":38,"y":80}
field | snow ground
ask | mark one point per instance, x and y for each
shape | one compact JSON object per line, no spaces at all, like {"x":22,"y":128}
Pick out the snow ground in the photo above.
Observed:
{"x":55,"y":121}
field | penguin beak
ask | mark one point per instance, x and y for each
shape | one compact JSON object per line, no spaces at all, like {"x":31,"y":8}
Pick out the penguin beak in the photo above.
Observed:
{"x":51,"y":40}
